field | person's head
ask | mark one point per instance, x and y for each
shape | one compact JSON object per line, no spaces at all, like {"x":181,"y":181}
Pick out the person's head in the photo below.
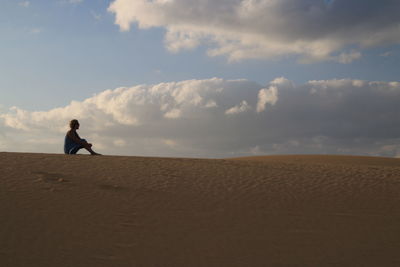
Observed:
{"x":74,"y":124}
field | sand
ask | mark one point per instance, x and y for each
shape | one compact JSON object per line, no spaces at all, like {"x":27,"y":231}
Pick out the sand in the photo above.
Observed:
{"x":59,"y":210}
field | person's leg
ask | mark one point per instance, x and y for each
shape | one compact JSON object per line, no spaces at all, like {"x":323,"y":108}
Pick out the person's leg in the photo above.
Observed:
{"x":89,"y":148}
{"x":75,"y":150}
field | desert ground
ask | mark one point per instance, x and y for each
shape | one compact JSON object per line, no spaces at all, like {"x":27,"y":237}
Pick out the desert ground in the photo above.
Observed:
{"x":93,"y":211}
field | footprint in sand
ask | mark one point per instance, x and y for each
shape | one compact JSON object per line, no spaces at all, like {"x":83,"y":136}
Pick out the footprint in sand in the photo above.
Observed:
{"x":50,"y":177}
{"x":110,"y":187}
{"x":51,"y":181}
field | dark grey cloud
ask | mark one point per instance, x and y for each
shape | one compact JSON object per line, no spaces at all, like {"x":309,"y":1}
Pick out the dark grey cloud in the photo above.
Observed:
{"x":208,"y":118}
{"x":312,"y":29}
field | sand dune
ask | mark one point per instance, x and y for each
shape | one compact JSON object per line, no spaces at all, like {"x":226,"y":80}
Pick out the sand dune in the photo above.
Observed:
{"x":72,"y":211}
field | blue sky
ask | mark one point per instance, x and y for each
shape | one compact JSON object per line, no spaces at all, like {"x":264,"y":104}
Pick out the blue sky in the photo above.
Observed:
{"x":55,"y":52}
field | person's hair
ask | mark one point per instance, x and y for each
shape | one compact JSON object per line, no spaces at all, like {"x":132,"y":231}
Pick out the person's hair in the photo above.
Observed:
{"x":72,"y":123}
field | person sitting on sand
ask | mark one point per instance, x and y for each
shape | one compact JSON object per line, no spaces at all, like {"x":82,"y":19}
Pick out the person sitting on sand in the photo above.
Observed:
{"x":73,"y":142}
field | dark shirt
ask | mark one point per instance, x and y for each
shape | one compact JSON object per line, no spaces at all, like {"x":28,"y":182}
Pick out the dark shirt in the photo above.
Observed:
{"x":70,"y":146}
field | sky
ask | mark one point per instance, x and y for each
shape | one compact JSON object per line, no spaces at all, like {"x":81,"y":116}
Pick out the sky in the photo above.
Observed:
{"x":212,"y":79}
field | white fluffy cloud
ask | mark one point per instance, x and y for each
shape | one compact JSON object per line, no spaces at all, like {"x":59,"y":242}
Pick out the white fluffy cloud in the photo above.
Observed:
{"x":270,"y":95}
{"x":242,"y":107}
{"x":221,"y":118}
{"x":240,"y":29}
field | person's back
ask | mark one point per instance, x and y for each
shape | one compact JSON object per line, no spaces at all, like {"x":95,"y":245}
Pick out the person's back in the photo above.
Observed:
{"x":71,"y":145}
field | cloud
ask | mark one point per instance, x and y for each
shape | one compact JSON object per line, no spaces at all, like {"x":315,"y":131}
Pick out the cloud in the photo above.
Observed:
{"x":25,"y":4}
{"x":36,"y":31}
{"x":313,"y":30}
{"x":242,"y":107}
{"x":386,"y":54}
{"x":266,"y":96}
{"x":347,"y":58}
{"x":270,"y":95}
{"x":173,"y":114}
{"x":221,"y":118}
{"x":119,"y":142}
{"x":95,"y":15}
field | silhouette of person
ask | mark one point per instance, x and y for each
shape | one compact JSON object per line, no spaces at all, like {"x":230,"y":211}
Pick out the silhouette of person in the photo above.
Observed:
{"x":73,"y":142}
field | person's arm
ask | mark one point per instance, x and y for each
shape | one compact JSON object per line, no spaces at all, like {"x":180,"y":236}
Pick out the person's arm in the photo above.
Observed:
{"x":85,"y":143}
{"x":75,"y":137}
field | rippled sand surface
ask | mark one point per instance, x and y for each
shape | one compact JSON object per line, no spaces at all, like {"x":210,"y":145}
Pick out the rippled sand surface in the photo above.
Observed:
{"x":72,"y":211}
